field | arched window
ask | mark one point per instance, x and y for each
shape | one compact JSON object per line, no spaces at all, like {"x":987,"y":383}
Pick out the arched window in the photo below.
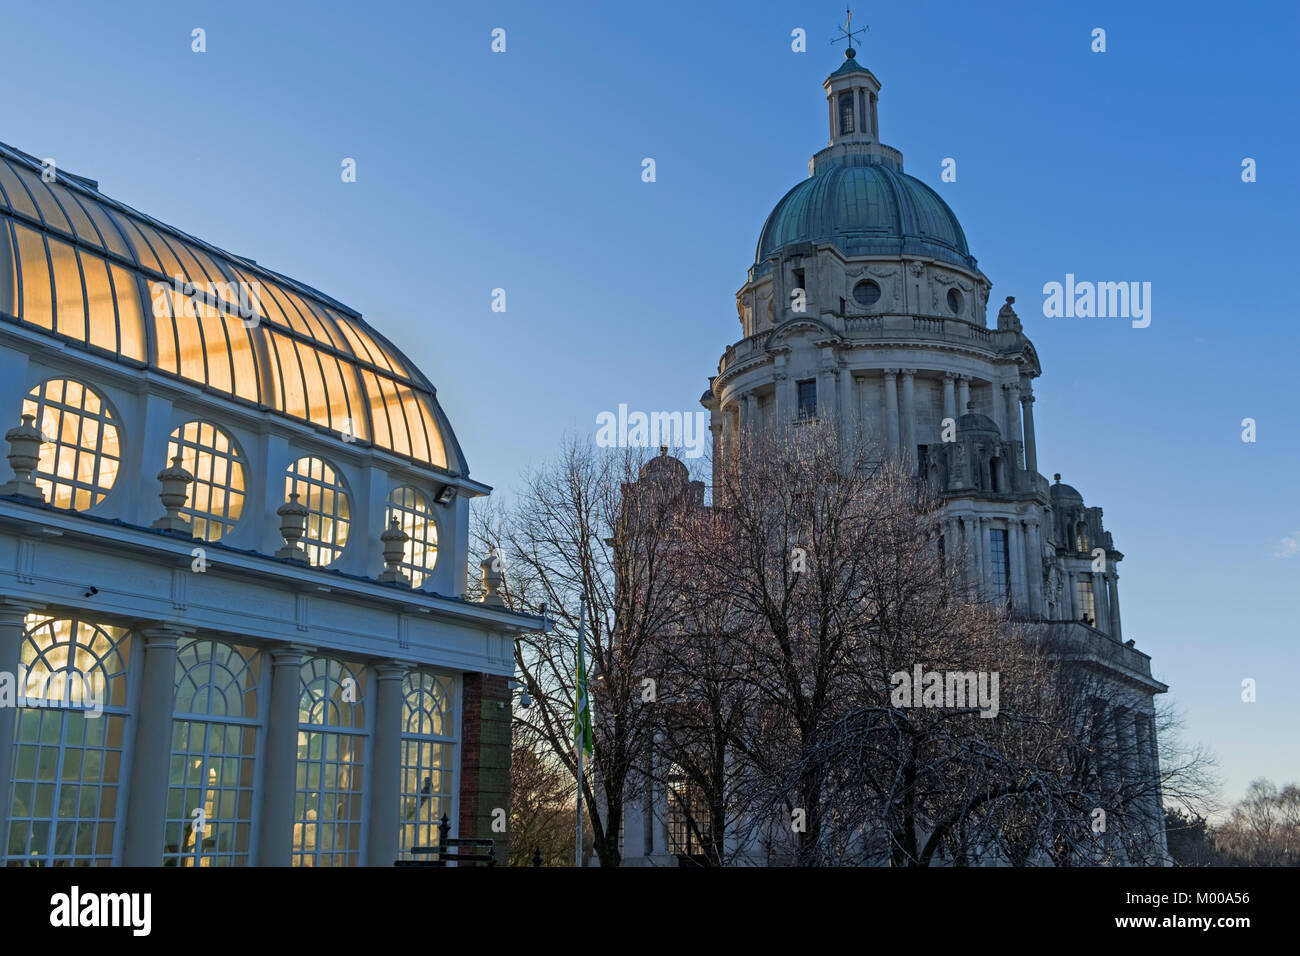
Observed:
{"x":1081,"y":542}
{"x":331,"y":758}
{"x":80,"y":459}
{"x":322,"y":492}
{"x":411,"y":508}
{"x":214,"y":752}
{"x":68,"y":750}
{"x":428,"y":752}
{"x":846,"y":113}
{"x":215,"y":498}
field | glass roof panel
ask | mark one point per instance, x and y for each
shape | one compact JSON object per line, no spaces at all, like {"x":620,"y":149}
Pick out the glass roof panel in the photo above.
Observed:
{"x":378,"y":414}
{"x":108,"y":230}
{"x":143,"y":253}
{"x":38,"y":302}
{"x":81,"y":224}
{"x":50,"y":210}
{"x":101,"y":309}
{"x":8,"y":271}
{"x":70,"y":306}
{"x":241,"y":354}
{"x":19,"y":200}
{"x":171,"y":266}
{"x":295,"y":394}
{"x":130,"y":318}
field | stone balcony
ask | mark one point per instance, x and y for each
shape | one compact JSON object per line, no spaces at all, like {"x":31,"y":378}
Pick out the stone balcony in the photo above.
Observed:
{"x":1076,"y":641}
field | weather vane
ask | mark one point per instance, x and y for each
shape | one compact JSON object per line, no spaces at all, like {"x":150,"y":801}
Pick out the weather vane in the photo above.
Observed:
{"x":849,"y":34}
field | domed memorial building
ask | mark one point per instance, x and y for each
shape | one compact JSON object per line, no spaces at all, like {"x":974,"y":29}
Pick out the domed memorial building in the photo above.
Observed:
{"x":233,"y":548}
{"x":865,"y":307}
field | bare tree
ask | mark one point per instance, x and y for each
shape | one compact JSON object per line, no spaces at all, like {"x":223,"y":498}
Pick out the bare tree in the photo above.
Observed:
{"x":575,"y":535}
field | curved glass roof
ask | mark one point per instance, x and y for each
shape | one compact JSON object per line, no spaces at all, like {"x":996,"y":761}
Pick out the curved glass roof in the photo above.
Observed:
{"x":83,"y":267}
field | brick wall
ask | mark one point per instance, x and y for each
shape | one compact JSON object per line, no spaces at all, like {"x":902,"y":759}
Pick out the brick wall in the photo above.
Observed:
{"x":485,"y":758}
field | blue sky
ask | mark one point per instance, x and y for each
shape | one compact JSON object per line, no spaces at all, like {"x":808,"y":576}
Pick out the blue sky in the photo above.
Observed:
{"x":522,"y":171}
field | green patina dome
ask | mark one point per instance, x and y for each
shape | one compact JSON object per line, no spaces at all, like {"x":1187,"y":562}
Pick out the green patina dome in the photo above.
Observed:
{"x":865,"y":210}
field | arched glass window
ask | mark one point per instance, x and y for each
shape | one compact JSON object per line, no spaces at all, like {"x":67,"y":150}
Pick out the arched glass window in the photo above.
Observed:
{"x":215,"y":498}
{"x":214,"y":753}
{"x":428,"y":752}
{"x":846,"y":113}
{"x":68,"y":750}
{"x":80,"y":460}
{"x":1081,"y":542}
{"x":331,"y":758}
{"x":322,"y":492}
{"x":411,"y":508}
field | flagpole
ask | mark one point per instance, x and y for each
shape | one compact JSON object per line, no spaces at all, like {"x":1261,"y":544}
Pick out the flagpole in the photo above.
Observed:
{"x":577,"y":726}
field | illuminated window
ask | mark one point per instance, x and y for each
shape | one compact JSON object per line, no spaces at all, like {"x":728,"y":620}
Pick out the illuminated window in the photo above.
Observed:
{"x":411,"y":509}
{"x":68,"y":751}
{"x":1087,"y":606}
{"x":80,"y":459}
{"x":331,"y":758}
{"x":214,"y":752}
{"x":428,"y":734}
{"x":322,"y":492}
{"x":216,"y":496}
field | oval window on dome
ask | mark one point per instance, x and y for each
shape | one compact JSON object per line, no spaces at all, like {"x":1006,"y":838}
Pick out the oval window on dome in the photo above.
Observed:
{"x":955,"y":301}
{"x":866,"y":293}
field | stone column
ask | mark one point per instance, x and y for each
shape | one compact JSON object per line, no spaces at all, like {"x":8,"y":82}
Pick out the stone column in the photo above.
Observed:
{"x":891,"y":409}
{"x":280,"y":777}
{"x":1072,"y":596}
{"x":949,"y":398}
{"x":386,"y":765}
{"x":146,"y":814}
{"x":1016,"y":562}
{"x":659,"y":807}
{"x":1034,"y":568}
{"x":909,"y":418}
{"x":963,"y":395}
{"x":1099,"y":600}
{"x":848,"y":406}
{"x":1113,"y":595}
{"x":13,"y":629}
{"x":1031,"y":450}
{"x":1016,"y":435}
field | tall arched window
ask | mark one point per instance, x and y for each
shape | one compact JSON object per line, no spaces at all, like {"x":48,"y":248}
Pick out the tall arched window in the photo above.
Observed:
{"x":214,"y":753}
{"x":411,"y":508}
{"x":69,"y":750}
{"x":428,"y":757}
{"x":846,"y":113}
{"x":80,"y":459}
{"x":321,"y":490}
{"x":215,"y":497}
{"x":331,"y":758}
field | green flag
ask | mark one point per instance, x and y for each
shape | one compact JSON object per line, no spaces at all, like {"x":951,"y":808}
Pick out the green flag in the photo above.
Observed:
{"x":581,"y":700}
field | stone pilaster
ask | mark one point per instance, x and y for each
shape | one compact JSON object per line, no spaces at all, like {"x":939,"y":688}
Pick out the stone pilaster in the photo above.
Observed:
{"x":386,"y":765}
{"x":280,"y":776}
{"x":909,"y":418}
{"x":891,"y":409}
{"x":146,"y":813}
